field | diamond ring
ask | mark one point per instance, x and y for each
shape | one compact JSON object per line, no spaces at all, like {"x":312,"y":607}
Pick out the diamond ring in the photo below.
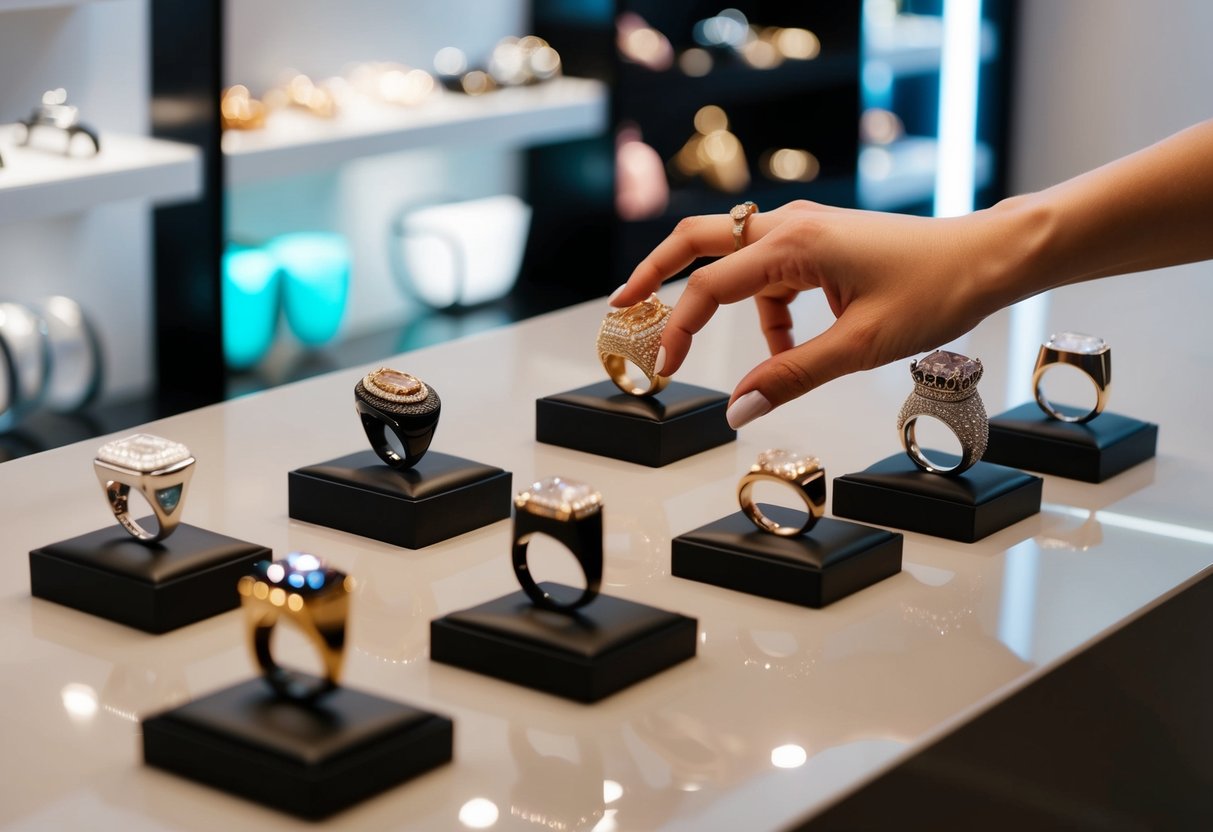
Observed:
{"x":401,"y":407}
{"x":1088,"y":353}
{"x":805,"y":476}
{"x":158,"y":468}
{"x":945,"y":388}
{"x":571,"y":513}
{"x":634,"y":334}
{"x":312,"y":596}
{"x":739,"y":214}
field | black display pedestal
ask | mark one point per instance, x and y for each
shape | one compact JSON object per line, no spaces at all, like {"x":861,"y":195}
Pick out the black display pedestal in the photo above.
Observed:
{"x":1094,"y":451}
{"x":604,"y":647}
{"x":155,"y":587}
{"x":832,"y":561}
{"x":678,"y":422}
{"x":440,"y":497}
{"x":309,"y":760}
{"x":894,"y":492}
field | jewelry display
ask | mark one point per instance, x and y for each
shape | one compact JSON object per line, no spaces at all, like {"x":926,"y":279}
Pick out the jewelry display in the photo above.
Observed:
{"x":390,"y":401}
{"x":714,"y":153}
{"x":76,"y":360}
{"x":945,"y":387}
{"x":803,"y":474}
{"x":571,"y":513}
{"x":739,"y":214}
{"x":238,"y":110}
{"x":158,"y":468}
{"x":313,"y":597}
{"x":56,"y":113}
{"x":634,"y":334}
{"x":1087,"y":353}
{"x":27,"y":358}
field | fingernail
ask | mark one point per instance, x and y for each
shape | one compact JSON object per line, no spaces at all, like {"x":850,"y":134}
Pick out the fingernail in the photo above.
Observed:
{"x":616,"y":293}
{"x":659,"y":364}
{"x":746,"y":409}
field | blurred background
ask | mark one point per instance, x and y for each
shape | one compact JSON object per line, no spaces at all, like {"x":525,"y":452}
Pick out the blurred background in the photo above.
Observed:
{"x":289,"y":187}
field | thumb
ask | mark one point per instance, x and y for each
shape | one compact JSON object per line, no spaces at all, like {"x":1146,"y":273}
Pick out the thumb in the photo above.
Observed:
{"x":835,"y":352}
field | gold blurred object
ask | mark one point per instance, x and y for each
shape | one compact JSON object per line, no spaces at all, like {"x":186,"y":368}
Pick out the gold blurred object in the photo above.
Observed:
{"x":392,"y":83}
{"x":317,"y":99}
{"x":238,"y":110}
{"x":790,"y":164}
{"x":477,"y":82}
{"x":714,"y":153}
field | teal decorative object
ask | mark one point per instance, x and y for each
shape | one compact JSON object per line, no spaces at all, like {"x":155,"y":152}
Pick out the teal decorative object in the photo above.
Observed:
{"x":316,"y":280}
{"x":250,"y":305}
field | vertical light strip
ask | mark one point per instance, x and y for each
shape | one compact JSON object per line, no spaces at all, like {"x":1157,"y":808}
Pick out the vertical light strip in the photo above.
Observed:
{"x":1017,"y":612}
{"x":959,"y":65}
{"x":1028,"y":320}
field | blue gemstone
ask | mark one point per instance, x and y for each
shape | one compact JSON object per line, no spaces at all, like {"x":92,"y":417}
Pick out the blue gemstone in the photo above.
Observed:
{"x":315,"y":580}
{"x":295,"y":580}
{"x":168,"y":498}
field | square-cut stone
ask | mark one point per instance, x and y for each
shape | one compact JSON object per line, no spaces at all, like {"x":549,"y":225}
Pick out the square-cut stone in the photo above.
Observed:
{"x":786,"y":464}
{"x":560,"y":497}
{"x":143,"y":452}
{"x":1076,"y":342}
{"x":949,"y":370}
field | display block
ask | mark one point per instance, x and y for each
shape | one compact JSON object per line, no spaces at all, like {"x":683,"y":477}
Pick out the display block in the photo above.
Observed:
{"x":600,"y":649}
{"x":1093,"y":452}
{"x":440,"y":497}
{"x":894,"y":492}
{"x":678,"y":422}
{"x":155,"y":587}
{"x":309,"y":760}
{"x":833,"y":560}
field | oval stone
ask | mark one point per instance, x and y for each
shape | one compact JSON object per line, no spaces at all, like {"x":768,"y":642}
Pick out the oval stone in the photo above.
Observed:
{"x":396,"y":383}
{"x":1076,"y":342}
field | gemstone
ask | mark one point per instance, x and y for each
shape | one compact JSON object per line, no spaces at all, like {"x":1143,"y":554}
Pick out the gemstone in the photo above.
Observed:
{"x":644,"y":314}
{"x":301,"y":572}
{"x":1076,"y":342}
{"x":560,"y":497}
{"x":947,"y":370}
{"x":739,"y":212}
{"x":787,"y":464}
{"x":143,"y":452}
{"x":396,"y":382}
{"x":169,"y":498}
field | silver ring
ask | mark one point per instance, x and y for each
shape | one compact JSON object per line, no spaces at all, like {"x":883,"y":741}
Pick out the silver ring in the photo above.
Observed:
{"x":945,"y":388}
{"x":157,"y":468}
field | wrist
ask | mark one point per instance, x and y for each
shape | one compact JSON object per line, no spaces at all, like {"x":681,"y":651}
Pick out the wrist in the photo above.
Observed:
{"x":1019,"y":233}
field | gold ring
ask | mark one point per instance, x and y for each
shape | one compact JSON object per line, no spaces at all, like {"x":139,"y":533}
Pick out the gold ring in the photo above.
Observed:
{"x":161,"y":471}
{"x":634,"y":334}
{"x":312,"y":596}
{"x":803,"y":473}
{"x":1088,"y":353}
{"x":739,"y":214}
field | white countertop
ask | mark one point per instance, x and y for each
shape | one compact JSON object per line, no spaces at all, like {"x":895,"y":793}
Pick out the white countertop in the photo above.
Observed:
{"x":858,"y":686}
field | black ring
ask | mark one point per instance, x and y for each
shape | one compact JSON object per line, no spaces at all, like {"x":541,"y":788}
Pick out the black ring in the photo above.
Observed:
{"x":412,"y":424}
{"x":302,"y":687}
{"x":582,"y":537}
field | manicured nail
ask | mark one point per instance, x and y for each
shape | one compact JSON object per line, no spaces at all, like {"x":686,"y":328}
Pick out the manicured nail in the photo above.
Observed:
{"x":746,"y":409}
{"x":659,"y":364}
{"x":616,"y":293}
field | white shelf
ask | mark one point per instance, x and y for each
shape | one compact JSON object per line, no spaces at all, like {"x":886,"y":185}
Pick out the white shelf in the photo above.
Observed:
{"x":37,"y":183}
{"x":910,"y":44}
{"x":903,"y":173}
{"x":294,"y":142}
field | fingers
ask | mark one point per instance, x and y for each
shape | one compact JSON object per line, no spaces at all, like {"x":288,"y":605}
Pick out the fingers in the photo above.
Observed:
{"x":776,"y":318}
{"x":793,"y":372}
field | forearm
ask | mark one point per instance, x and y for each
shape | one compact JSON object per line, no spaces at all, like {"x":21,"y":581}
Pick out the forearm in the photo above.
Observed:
{"x":1151,"y":209}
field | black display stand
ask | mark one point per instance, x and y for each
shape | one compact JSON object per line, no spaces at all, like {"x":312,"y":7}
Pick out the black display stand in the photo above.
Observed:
{"x":440,"y":497}
{"x":156,"y":587}
{"x":309,"y":760}
{"x":1093,"y":451}
{"x":678,"y":422}
{"x":894,"y":492}
{"x":833,"y":560}
{"x":604,"y":647}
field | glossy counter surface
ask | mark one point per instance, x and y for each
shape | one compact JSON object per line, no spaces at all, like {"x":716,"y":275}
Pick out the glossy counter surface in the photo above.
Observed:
{"x":783,"y":711}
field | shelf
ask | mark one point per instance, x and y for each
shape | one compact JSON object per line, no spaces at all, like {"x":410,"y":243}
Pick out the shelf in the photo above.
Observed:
{"x":36,"y":183}
{"x":911,"y":44}
{"x":23,"y":5}
{"x":903,"y":173}
{"x":294,"y":142}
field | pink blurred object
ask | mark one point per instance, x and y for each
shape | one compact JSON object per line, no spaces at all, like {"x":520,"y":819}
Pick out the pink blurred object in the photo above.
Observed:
{"x":641,"y":190}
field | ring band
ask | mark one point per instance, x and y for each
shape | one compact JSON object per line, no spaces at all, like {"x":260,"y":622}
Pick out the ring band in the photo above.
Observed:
{"x":739,"y":214}
{"x":312,"y":596}
{"x":571,"y":513}
{"x":389,"y":400}
{"x":805,"y":476}
{"x":1088,"y":353}
{"x":157,"y":468}
{"x":634,"y":334}
{"x":945,"y":387}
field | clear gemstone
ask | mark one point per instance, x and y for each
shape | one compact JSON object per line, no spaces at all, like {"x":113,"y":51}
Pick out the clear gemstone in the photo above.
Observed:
{"x":143,"y":452}
{"x":1076,"y":342}
{"x":299,"y":571}
{"x":785,"y":463}
{"x":557,"y":496}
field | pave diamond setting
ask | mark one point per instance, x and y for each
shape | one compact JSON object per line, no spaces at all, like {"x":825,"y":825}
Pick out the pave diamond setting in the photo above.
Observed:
{"x":561,"y":498}
{"x":787,"y":465}
{"x":635,"y":332}
{"x":144,"y":453}
{"x":1076,"y":342}
{"x":395,"y":386}
{"x":946,"y":376}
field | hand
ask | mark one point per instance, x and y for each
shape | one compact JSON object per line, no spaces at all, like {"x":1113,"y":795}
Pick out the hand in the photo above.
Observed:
{"x":897,"y":285}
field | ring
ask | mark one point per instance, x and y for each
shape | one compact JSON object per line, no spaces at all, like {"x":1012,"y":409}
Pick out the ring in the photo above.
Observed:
{"x":739,"y":214}
{"x":803,"y":473}
{"x":391,"y":401}
{"x":945,"y":387}
{"x":634,"y":334}
{"x":571,"y":513}
{"x":1090,"y":354}
{"x":159,"y":468}
{"x":316,"y":599}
